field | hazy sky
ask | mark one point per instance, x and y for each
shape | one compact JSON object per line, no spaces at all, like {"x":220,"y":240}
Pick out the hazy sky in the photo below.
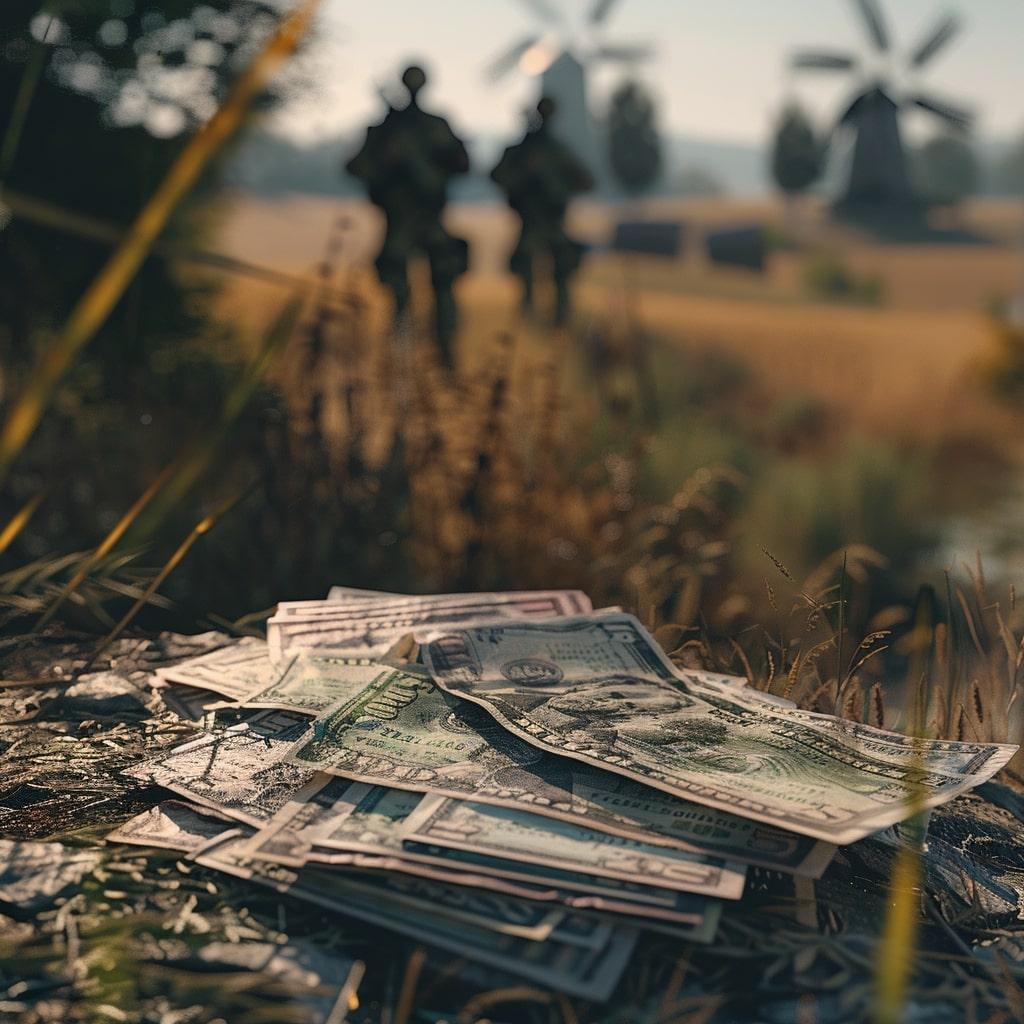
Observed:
{"x":719,"y":70}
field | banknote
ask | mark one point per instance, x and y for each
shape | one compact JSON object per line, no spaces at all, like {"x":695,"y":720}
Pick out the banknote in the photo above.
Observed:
{"x":313,"y":684}
{"x":599,"y":690}
{"x":364,"y":604}
{"x":174,"y":825}
{"x":509,"y":834}
{"x":576,"y":970}
{"x":239,"y":771}
{"x":344,"y":824}
{"x":341,"y":594}
{"x":234,"y":672}
{"x":402,"y":731}
{"x":189,"y":702}
{"x":371,"y":627}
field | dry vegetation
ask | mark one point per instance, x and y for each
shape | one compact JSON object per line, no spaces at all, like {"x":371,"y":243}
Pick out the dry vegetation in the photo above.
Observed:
{"x":903,"y":370}
{"x":749,"y":471}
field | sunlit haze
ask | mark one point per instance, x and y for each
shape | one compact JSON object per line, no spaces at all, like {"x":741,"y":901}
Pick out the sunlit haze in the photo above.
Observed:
{"x":719,"y":70}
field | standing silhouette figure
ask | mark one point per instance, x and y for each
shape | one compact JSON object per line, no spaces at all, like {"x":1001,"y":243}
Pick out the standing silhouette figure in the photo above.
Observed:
{"x":539,"y":176}
{"x":406,"y":164}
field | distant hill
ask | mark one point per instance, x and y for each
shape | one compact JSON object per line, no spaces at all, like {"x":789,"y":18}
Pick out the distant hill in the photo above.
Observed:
{"x":269,"y":164}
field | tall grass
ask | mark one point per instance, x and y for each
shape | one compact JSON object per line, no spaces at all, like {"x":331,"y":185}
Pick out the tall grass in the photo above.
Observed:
{"x":110,"y":284}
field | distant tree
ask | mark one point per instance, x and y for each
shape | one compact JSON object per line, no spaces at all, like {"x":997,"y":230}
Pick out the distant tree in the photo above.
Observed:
{"x":634,"y":143}
{"x":798,"y":155}
{"x":947,"y":170}
{"x":797,"y":159}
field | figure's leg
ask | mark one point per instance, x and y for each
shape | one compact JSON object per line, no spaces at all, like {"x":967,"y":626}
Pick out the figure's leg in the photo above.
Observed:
{"x":561,"y":274}
{"x":393,"y":270}
{"x":521,"y":264}
{"x":565,"y":260}
{"x":449,"y":259}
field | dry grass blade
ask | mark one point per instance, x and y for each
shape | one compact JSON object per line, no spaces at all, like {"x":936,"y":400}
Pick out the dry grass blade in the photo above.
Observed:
{"x":69,"y":222}
{"x":203,"y":526}
{"x":877,"y":707}
{"x":109,"y":285}
{"x":408,"y":992}
{"x":179,"y":475}
{"x":196,"y":458}
{"x":107,"y":545}
{"x":518,"y":993}
{"x":19,"y":521}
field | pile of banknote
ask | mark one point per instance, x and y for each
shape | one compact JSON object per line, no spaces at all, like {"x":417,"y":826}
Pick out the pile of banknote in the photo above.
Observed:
{"x":515,"y":778}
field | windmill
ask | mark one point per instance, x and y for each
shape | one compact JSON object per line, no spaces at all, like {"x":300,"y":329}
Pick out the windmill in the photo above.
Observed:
{"x":563,"y":51}
{"x":879,"y":177}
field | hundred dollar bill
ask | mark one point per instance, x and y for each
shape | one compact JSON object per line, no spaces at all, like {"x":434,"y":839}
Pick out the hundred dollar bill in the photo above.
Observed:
{"x":599,"y":690}
{"x":518,"y":835}
{"x":402,"y":731}
{"x":332,"y":821}
{"x":238,"y":771}
{"x":234,"y":672}
{"x":576,"y":970}
{"x":173,"y":825}
{"x":364,"y":604}
{"x":340,"y":594}
{"x":189,"y":702}
{"x":371,"y":628}
{"x":313,"y":684}
{"x":176,"y":826}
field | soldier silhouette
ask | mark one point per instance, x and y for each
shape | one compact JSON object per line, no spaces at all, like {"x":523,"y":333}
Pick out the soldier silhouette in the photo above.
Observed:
{"x":406,"y":164}
{"x":540,"y":175}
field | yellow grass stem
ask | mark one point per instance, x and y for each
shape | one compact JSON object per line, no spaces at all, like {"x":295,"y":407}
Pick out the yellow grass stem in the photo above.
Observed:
{"x":110,"y":284}
{"x":45,"y":214}
{"x":898,"y":945}
{"x":204,"y":525}
{"x":19,"y":521}
{"x":179,"y":475}
{"x":108,"y":544}
{"x":408,"y":993}
{"x":196,"y":459}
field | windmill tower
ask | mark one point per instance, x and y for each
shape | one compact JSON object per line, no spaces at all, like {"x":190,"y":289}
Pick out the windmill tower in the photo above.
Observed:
{"x":562,"y":53}
{"x":879,"y":178}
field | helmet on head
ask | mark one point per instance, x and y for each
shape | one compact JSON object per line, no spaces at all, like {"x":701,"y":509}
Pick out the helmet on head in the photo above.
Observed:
{"x":414,"y":78}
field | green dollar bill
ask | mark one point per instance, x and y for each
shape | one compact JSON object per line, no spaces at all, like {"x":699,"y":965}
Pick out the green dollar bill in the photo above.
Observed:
{"x":598,"y":689}
{"x":402,"y":731}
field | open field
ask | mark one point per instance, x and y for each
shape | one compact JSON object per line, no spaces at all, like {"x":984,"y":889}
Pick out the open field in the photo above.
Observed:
{"x":903,"y":368}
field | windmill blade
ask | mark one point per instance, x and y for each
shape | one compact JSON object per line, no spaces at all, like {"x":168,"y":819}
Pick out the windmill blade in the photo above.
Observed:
{"x":543,"y":10}
{"x":958,"y":117}
{"x":872,"y":15}
{"x":600,"y":10}
{"x":503,"y":64}
{"x":851,"y":112}
{"x":819,"y":60}
{"x":628,"y":52}
{"x":940,"y":36}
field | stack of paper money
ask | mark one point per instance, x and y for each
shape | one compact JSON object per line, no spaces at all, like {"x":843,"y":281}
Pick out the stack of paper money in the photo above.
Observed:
{"x":516,"y":778}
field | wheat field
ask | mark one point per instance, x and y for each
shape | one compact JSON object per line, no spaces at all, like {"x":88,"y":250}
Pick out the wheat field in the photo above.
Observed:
{"x":902,"y":369}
